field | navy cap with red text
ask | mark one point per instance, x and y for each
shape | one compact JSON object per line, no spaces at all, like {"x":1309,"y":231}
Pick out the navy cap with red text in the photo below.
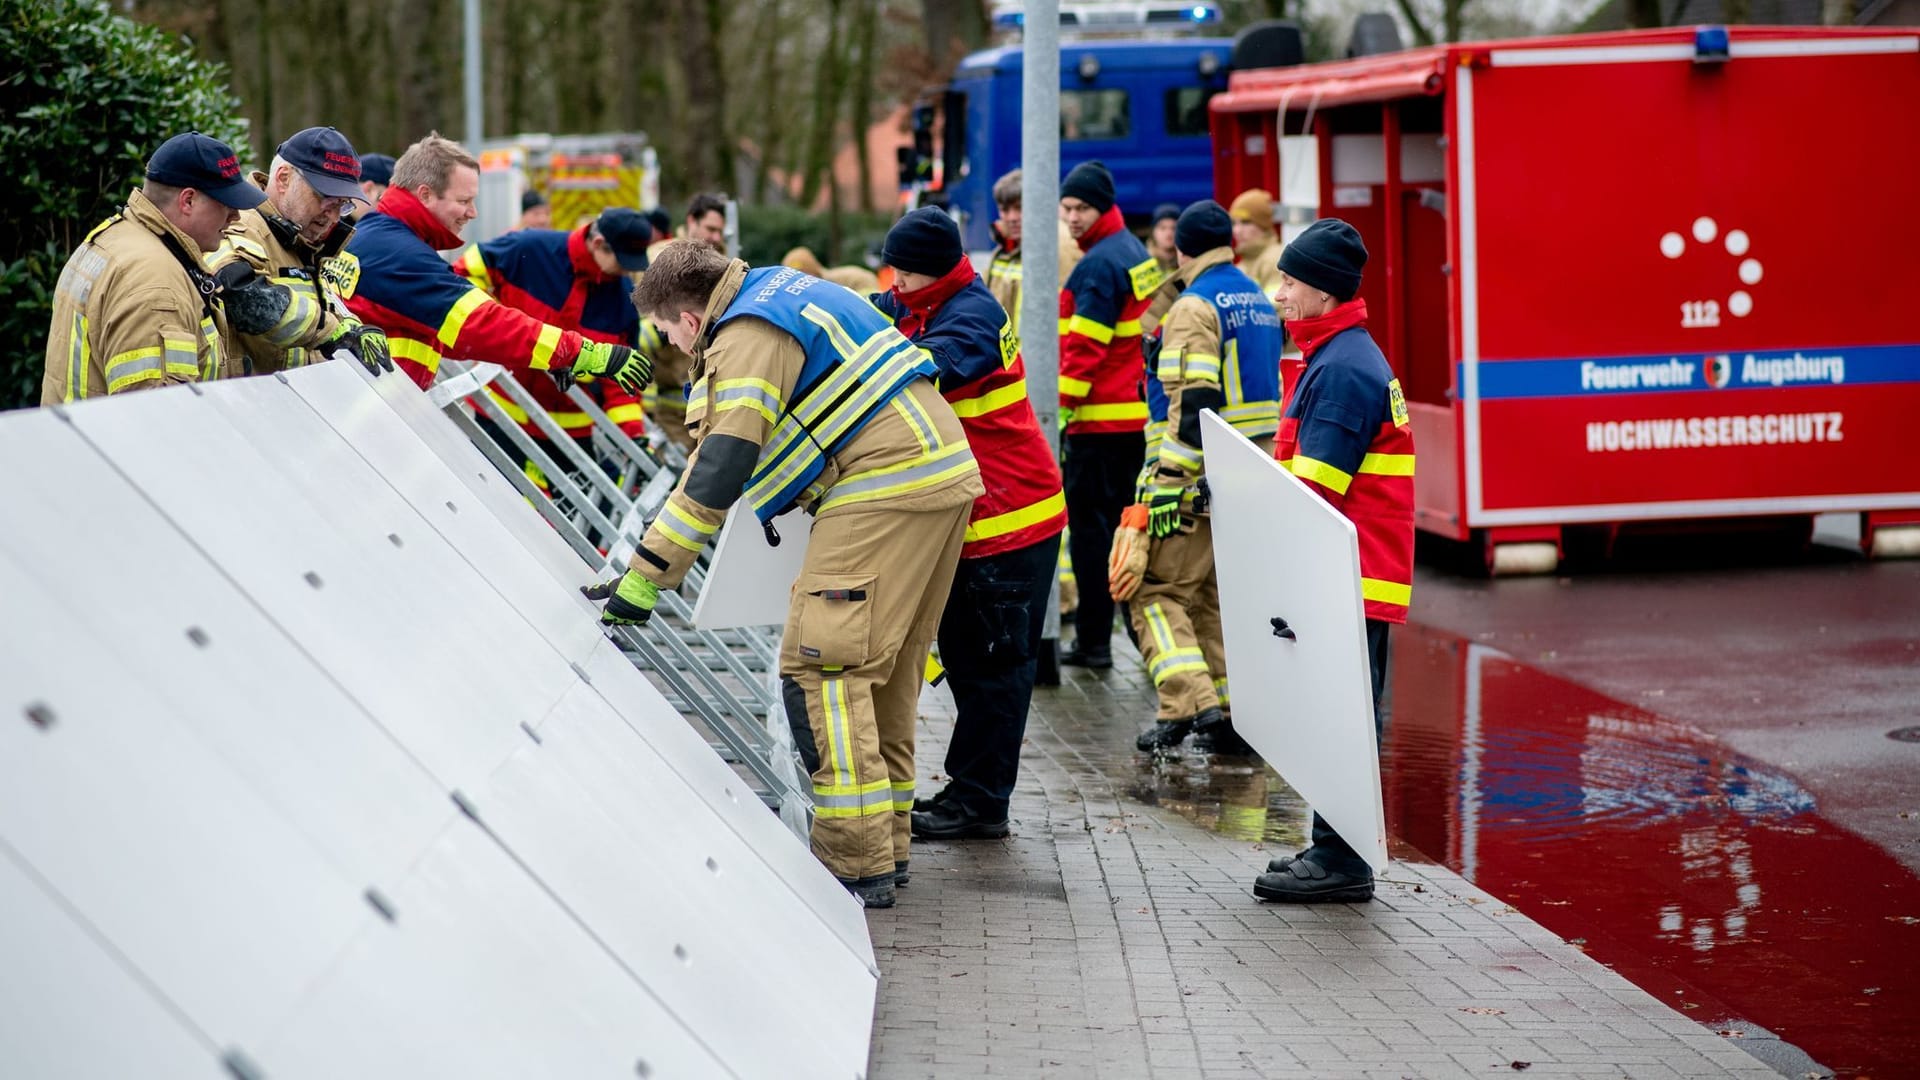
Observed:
{"x":206,"y":165}
{"x":628,"y":233}
{"x":327,"y":160}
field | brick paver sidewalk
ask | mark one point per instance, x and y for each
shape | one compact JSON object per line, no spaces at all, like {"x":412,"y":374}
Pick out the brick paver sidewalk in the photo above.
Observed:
{"x":1109,"y":938}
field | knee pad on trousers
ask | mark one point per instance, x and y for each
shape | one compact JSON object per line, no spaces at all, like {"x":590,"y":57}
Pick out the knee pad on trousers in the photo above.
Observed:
{"x":795,"y":701}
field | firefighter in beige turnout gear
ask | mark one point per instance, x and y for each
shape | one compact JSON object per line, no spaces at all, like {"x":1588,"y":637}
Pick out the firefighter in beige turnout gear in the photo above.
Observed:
{"x":804,"y":394}
{"x":136,"y":306}
{"x":314,"y":178}
{"x":1219,"y":350}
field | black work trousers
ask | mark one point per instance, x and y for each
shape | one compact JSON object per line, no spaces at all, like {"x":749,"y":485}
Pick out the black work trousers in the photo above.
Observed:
{"x":989,"y":644}
{"x":1100,"y":472}
{"x":1328,"y":850}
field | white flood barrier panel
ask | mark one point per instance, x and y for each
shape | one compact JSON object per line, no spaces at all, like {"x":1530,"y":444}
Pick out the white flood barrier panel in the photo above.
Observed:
{"x":1305,"y":701}
{"x":750,"y":581}
{"x":304,"y":773}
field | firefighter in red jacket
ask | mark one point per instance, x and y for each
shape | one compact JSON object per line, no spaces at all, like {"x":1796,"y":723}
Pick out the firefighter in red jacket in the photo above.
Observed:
{"x":1344,"y":432}
{"x":391,"y":276}
{"x":577,"y":281}
{"x":1100,"y":390}
{"x":990,"y":632}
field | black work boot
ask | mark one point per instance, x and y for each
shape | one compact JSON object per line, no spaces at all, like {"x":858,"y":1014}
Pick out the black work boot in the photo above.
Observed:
{"x":1087,"y":658}
{"x":951,"y":821}
{"x":900,"y":875}
{"x":874,"y":892}
{"x":1303,"y":881}
{"x":1163,"y":736}
{"x":923,"y":805}
{"x":1214,"y":733}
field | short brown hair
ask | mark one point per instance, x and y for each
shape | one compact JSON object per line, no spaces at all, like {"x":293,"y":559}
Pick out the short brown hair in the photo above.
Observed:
{"x":431,"y":161}
{"x":1006,"y":190}
{"x":680,"y":278}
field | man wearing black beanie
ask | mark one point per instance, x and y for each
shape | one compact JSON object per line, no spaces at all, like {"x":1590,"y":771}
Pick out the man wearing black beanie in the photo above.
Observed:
{"x":1346,"y":434}
{"x":1173,"y":598}
{"x":1100,"y":395}
{"x":996,"y":611}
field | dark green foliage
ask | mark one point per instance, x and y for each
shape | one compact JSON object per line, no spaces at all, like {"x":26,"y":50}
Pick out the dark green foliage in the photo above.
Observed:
{"x":768,"y":232}
{"x":85,"y":97}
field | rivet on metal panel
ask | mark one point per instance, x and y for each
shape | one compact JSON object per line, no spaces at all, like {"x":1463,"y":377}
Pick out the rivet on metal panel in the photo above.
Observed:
{"x":452,"y":507}
{"x":282,"y":376}
{"x":394,"y":539}
{"x":641,"y":1068}
{"x":379,"y":902}
{"x":197,"y":636}
{"x":728,"y":792}
{"x":680,"y":954}
{"x":40,"y":715}
{"x":466,"y":807}
{"x":313,"y":579}
{"x":238,"y":1064}
{"x":712,"y":866}
{"x":580,"y":671}
{"x":531,"y":734}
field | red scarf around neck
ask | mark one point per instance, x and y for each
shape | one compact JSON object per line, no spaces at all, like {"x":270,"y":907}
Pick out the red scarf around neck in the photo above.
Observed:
{"x":403,"y":204}
{"x":1310,"y":334}
{"x":922,"y":303}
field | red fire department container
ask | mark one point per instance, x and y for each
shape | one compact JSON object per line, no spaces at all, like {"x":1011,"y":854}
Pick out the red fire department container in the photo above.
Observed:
{"x":1667,"y":274}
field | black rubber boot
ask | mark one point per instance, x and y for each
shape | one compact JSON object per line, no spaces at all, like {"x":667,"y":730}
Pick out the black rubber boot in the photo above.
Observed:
{"x":1214,"y":733}
{"x":874,"y":892}
{"x":900,"y":875}
{"x":1096,"y":660}
{"x":1164,"y":736}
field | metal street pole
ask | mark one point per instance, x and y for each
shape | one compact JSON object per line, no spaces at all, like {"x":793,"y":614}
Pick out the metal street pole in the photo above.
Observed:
{"x":1040,"y":242}
{"x":476,"y":122}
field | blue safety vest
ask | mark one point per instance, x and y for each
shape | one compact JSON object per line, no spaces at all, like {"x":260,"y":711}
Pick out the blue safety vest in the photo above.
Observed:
{"x":1250,"y":341}
{"x":856,"y":363}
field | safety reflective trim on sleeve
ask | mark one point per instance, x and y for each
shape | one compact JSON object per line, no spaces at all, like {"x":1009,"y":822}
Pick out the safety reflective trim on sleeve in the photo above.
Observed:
{"x":946,"y":463}
{"x":1387,"y":464}
{"x":302,"y":315}
{"x":683,"y":528}
{"x":182,"y":355}
{"x":568,"y":421}
{"x":79,"y":358}
{"x":1118,"y":410}
{"x":992,"y":401}
{"x":456,"y":319}
{"x":1008,"y":270}
{"x":1319,"y":472}
{"x":473,"y":266}
{"x":1386,"y":592}
{"x":208,"y":352}
{"x":1220,"y":691}
{"x":1179,"y":455}
{"x":1126,"y":328}
{"x":1253,"y":419}
{"x":414,"y":351}
{"x":987,"y":528}
{"x":1201,"y":366}
{"x":918,"y":420}
{"x":1168,"y":369}
{"x":1074,"y":388}
{"x":136,"y":365}
{"x":903,"y":797}
{"x":630,"y":413}
{"x":543,"y":347}
{"x":757,"y":394}
{"x":1087,"y":328}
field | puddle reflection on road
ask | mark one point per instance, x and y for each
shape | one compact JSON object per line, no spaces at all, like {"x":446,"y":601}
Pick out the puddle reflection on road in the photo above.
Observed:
{"x":1704,"y":877}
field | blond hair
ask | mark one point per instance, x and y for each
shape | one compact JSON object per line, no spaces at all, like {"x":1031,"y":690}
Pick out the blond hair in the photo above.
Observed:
{"x":431,"y":161}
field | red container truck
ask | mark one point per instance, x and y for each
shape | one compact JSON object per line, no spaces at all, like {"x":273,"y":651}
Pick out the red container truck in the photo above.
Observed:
{"x":1667,"y":275}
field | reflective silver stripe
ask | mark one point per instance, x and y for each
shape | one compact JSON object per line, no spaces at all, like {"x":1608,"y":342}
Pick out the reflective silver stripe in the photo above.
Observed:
{"x":301,"y":316}
{"x":77,"y":358}
{"x":210,"y":349}
{"x":1174,"y":661}
{"x":1180,"y":453}
{"x":688,"y":536}
{"x":791,"y":429}
{"x":746,"y":393}
{"x":947,"y":461}
{"x":881,"y":797}
{"x":134,"y":370}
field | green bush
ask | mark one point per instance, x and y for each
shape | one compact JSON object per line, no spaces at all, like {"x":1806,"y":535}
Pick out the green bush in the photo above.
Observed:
{"x":85,"y":97}
{"x":768,"y":232}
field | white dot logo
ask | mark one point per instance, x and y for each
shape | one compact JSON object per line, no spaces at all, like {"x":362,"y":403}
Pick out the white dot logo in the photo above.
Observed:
{"x":1705,"y":230}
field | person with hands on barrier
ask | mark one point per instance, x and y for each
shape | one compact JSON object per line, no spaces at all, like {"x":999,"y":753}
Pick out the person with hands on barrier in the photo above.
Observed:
{"x":627,"y":367}
{"x":990,"y":632}
{"x":804,"y":395}
{"x":1217,"y":350}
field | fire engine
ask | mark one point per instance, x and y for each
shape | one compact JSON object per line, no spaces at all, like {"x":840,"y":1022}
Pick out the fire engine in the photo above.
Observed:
{"x":1650,"y":276}
{"x":580,"y":175}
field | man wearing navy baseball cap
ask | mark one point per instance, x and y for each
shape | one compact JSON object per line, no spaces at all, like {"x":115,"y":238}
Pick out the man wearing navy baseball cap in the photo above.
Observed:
{"x":288,"y":239}
{"x":129,"y":312}
{"x":376,"y":172}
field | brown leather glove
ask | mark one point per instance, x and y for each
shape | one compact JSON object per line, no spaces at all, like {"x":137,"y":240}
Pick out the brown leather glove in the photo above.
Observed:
{"x":1127,"y":560}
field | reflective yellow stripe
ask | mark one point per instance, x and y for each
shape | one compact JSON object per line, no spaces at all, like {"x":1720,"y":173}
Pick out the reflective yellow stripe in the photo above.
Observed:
{"x":79,"y":358}
{"x":1179,"y":454}
{"x":1127,"y":328}
{"x":1319,"y":472}
{"x":903,"y":795}
{"x":917,"y":419}
{"x":1072,"y":387}
{"x":136,"y":365}
{"x":457,"y":317}
{"x":1120,"y":410}
{"x":568,"y":421}
{"x":943,"y":464}
{"x":850,"y":396}
{"x":1386,"y":592}
{"x":207,"y":351}
{"x":1168,"y":369}
{"x":472,"y":266}
{"x":683,"y":528}
{"x":624,"y":414}
{"x":1387,"y":464}
{"x":1085,"y":327}
{"x":414,"y":351}
{"x":303,"y":313}
{"x":543,"y":347}
{"x":1201,"y":366}
{"x":757,"y":394}
{"x":1014,"y":520}
{"x":868,"y":801}
{"x":833,"y":703}
{"x":991,"y":401}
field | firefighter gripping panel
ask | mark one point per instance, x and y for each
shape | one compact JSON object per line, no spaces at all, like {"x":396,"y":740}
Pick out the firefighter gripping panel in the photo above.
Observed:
{"x":1696,"y":281}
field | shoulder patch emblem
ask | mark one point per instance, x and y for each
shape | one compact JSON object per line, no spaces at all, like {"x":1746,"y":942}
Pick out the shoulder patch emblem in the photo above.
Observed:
{"x":341,"y":274}
{"x":1009,"y":345}
{"x":1146,"y":277}
{"x":1397,"y":402}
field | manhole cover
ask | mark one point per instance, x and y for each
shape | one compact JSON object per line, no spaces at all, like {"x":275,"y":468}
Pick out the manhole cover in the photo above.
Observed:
{"x":1905,"y":734}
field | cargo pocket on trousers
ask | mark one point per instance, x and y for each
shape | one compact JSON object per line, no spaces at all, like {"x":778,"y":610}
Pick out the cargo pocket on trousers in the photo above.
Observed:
{"x":835,"y":628}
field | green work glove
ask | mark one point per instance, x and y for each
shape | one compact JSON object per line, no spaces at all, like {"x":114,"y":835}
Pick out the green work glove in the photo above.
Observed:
{"x":368,"y":344}
{"x":630,"y":600}
{"x":1163,"y":511}
{"x":598,"y":359}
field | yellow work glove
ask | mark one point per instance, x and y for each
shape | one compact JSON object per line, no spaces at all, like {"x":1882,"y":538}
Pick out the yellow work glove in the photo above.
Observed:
{"x":1127,"y":559}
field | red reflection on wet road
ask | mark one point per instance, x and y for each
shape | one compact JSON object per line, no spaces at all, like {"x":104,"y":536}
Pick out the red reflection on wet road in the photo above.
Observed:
{"x":1704,"y":877}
